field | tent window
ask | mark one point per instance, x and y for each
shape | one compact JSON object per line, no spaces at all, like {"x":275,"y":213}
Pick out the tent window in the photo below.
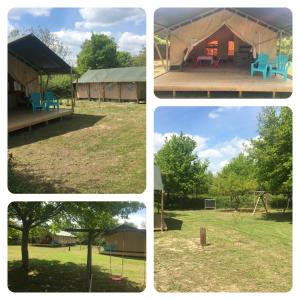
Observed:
{"x":212,"y":48}
{"x":230,"y":48}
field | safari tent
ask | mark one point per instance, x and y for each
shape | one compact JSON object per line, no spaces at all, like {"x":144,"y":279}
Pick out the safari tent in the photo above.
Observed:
{"x":29,"y":59}
{"x":211,"y":48}
{"x":125,"y":240}
{"x":123,"y":84}
{"x":159,"y":222}
{"x":61,"y":238}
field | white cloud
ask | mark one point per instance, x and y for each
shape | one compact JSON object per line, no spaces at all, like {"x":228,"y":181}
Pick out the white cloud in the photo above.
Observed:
{"x":214,"y":114}
{"x":138,"y":220}
{"x":218,"y":155}
{"x":72,"y":38}
{"x":94,"y":18}
{"x":16,"y":13}
{"x":131,"y":42}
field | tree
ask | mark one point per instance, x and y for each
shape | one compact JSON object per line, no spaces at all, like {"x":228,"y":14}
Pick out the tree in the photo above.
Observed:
{"x":124,"y":58}
{"x":181,"y":168}
{"x":24,"y":216}
{"x":236,"y":179}
{"x":98,"y":52}
{"x":272,"y":150}
{"x":140,"y":59}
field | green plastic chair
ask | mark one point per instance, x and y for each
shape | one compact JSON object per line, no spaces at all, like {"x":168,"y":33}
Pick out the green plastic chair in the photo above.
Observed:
{"x":261,"y":65}
{"x":281,"y":66}
{"x":36,"y":103}
{"x":51,"y":99}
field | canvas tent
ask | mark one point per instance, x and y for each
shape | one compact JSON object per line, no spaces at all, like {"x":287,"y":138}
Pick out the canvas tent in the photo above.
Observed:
{"x":185,"y":29}
{"x":61,"y":238}
{"x":159,"y":222}
{"x":29,"y":59}
{"x":128,"y":83}
{"x":125,"y":240}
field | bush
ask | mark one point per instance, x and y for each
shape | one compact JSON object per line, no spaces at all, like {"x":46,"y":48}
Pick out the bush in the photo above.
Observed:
{"x":60,"y":85}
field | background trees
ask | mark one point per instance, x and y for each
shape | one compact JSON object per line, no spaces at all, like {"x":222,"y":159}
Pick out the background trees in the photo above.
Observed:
{"x":236,"y":180}
{"x":272,"y":150}
{"x":181,"y":168}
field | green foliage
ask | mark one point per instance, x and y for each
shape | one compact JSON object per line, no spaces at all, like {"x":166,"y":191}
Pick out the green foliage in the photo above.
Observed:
{"x":236,"y":180}
{"x":140,"y":59}
{"x":182,"y":170}
{"x":286,"y":47}
{"x":99,"y":52}
{"x":60,"y":85}
{"x":272,"y":151}
{"x":124,"y":58}
{"x":159,"y":41}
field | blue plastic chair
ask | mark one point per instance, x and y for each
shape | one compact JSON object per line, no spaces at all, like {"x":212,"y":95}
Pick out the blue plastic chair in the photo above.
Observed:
{"x":281,"y":66}
{"x":261,"y":65}
{"x":36,"y":103}
{"x":51,"y":99}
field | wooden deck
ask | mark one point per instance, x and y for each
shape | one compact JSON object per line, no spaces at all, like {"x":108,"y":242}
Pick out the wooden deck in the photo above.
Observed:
{"x":26,"y":118}
{"x":222,"y":79}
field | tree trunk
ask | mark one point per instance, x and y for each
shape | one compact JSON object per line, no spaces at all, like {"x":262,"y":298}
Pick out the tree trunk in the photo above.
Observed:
{"x":24,"y":248}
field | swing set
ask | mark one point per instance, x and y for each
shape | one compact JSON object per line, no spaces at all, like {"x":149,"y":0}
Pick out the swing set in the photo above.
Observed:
{"x":263,"y":197}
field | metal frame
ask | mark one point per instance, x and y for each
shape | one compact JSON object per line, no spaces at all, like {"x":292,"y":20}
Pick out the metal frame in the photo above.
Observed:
{"x":210,"y":207}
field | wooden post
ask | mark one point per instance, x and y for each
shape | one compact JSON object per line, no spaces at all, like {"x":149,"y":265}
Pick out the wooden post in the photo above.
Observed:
{"x":72,"y":90}
{"x":162,"y":211}
{"x":89,"y":260}
{"x":202,"y":237}
{"x":174,"y":94}
{"x":89,"y":91}
{"x":120,"y":96}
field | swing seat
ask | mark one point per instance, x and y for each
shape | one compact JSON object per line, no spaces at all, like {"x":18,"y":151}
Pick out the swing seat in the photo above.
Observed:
{"x":117,"y":279}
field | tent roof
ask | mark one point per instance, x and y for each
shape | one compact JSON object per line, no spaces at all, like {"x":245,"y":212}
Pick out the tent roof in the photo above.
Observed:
{"x":126,"y":74}
{"x":64,"y":233}
{"x":124,"y":228}
{"x":37,"y":55}
{"x":158,"y":184}
{"x":277,"y":19}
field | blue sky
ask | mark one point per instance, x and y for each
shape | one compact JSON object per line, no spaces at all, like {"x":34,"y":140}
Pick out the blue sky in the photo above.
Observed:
{"x":220,"y":132}
{"x":73,"y":25}
{"x":138,"y":218}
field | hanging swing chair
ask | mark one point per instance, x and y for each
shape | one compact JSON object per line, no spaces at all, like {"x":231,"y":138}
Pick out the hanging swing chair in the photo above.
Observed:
{"x":117,"y":278}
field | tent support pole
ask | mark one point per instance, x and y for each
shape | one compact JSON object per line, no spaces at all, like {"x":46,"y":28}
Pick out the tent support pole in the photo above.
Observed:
{"x":72,"y":90}
{"x":167,"y":50}
{"x":160,"y":56}
{"x":162,"y":212}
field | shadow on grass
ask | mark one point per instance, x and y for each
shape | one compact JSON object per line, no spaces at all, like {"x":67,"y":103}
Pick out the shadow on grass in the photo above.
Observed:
{"x":25,"y":182}
{"x":278,"y":217}
{"x":54,"y":276}
{"x":173,"y":224}
{"x":54,"y":128}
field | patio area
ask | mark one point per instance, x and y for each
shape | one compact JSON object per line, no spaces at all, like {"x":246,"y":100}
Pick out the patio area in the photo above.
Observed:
{"x":19,"y":119}
{"x":225,"y":78}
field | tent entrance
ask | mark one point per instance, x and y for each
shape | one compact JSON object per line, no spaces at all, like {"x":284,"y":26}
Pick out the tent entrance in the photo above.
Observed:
{"x":223,"y":45}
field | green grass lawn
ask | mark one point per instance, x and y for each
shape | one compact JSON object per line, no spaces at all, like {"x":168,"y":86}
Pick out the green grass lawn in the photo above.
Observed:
{"x":245,"y":253}
{"x":60,"y":270}
{"x":100,"y":149}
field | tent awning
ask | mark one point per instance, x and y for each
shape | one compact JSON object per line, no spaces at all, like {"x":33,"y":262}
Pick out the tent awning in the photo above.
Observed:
{"x":37,"y":55}
{"x":275,"y":18}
